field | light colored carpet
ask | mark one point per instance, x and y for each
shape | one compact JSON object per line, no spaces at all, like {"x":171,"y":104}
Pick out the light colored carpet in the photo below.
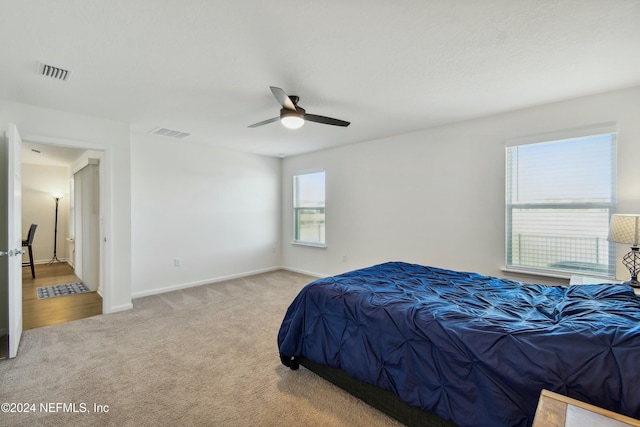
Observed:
{"x":204,"y":356}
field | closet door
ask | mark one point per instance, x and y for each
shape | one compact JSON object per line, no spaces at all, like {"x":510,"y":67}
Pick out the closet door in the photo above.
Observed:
{"x":87,"y":225}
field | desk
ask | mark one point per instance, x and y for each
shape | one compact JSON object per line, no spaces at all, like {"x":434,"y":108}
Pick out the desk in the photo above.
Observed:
{"x":556,"y":410}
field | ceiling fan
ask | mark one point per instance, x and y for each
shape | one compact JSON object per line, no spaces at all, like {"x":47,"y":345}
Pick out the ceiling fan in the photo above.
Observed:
{"x":293,"y":116}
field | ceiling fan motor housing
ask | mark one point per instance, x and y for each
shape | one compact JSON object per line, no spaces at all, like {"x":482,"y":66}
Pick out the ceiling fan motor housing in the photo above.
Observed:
{"x":299,"y":112}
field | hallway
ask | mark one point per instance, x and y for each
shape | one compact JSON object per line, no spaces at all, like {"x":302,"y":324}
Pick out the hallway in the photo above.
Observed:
{"x":52,"y":311}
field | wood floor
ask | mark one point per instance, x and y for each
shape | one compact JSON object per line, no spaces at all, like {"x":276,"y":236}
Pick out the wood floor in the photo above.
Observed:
{"x":52,"y":311}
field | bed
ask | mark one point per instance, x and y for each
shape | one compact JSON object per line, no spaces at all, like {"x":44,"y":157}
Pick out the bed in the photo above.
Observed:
{"x":472,"y":350}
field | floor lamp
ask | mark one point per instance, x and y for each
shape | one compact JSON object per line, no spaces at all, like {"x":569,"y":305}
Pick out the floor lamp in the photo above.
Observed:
{"x":57,"y":197}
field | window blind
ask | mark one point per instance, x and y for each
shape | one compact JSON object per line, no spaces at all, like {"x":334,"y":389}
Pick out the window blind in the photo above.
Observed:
{"x":560,"y":195}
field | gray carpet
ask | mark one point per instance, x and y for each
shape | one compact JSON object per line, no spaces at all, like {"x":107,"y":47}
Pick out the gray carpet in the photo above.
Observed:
{"x":204,"y":356}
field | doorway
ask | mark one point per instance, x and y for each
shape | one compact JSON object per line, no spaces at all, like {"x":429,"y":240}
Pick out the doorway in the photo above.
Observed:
{"x":37,"y":313}
{"x":57,"y":194}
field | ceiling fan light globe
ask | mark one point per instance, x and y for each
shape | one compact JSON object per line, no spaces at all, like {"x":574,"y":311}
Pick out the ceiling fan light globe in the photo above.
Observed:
{"x":292,"y":122}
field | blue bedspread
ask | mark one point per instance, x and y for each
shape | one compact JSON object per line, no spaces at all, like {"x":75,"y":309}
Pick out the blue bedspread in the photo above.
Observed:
{"x":476,"y":350}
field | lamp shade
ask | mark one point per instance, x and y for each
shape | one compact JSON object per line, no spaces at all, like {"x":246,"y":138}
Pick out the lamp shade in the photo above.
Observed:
{"x":625,"y":229}
{"x":292,"y":119}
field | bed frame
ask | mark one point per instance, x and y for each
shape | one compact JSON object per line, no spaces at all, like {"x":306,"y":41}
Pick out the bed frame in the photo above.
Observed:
{"x":383,"y":400}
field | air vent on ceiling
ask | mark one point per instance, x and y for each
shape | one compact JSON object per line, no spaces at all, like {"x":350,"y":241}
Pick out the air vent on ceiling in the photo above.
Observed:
{"x":170,"y":133}
{"x":53,"y":72}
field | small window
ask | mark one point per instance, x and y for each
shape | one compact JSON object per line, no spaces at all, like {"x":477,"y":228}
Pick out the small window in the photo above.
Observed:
{"x":309,"y":208}
{"x":559,"y":198}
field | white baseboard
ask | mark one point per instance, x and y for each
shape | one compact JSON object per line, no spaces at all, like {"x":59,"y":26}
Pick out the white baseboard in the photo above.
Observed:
{"x":118,"y":308}
{"x":178,"y":287}
{"x":308,"y":273}
{"x":47,"y":261}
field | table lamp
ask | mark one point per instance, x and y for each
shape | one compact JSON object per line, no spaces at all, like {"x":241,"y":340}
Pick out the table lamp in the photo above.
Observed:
{"x":626,"y":229}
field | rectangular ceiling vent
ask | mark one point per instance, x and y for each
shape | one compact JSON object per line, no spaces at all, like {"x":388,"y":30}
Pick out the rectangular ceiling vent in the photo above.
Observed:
{"x":53,"y":72}
{"x":170,"y":133}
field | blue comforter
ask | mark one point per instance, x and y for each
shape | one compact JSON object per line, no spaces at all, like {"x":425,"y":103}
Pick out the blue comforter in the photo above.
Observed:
{"x":476,"y":350}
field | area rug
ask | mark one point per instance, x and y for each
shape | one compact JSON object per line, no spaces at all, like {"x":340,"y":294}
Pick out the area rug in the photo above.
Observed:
{"x":62,"y":290}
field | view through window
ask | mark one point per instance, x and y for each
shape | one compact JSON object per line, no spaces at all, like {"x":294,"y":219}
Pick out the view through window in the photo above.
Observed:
{"x":559,"y":198}
{"x":309,"y":208}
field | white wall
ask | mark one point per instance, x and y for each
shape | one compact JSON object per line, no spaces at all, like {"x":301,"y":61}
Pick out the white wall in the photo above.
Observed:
{"x":436,"y":197}
{"x":39,"y":124}
{"x":216,"y":210}
{"x":39,"y":207}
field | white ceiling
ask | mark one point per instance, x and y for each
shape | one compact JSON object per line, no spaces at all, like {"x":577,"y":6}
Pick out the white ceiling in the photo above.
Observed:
{"x":204,"y":67}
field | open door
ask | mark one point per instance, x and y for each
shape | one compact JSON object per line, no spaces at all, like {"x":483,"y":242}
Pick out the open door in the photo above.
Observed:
{"x":14,"y":240}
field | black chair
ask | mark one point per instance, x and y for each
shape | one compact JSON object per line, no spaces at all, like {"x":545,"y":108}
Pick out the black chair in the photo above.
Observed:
{"x":28,"y":243}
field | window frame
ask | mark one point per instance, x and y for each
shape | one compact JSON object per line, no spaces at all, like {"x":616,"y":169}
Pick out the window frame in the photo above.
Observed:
{"x":296,"y":211}
{"x":608,"y":129}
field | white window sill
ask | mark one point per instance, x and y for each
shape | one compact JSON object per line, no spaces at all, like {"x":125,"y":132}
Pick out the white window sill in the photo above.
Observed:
{"x":313,"y":245}
{"x":548,"y":274}
{"x":578,"y":279}
{"x":534,"y":272}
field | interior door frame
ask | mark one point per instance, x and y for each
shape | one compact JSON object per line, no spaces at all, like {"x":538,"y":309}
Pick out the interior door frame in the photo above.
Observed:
{"x":106,"y":205}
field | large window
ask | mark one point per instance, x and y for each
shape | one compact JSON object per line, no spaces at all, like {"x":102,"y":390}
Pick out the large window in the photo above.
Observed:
{"x":560,"y":195}
{"x":308,"y":208}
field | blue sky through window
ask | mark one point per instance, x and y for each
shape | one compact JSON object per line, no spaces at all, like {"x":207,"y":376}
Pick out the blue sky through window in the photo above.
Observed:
{"x":574,"y":170}
{"x":310,"y":190}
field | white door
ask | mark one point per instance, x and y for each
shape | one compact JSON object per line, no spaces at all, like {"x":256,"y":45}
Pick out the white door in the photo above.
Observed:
{"x":14,"y":243}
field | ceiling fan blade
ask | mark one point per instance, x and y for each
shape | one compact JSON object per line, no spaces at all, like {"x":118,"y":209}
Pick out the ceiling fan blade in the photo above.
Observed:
{"x":264,"y":122}
{"x":326,"y":120}
{"x":283,"y":98}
